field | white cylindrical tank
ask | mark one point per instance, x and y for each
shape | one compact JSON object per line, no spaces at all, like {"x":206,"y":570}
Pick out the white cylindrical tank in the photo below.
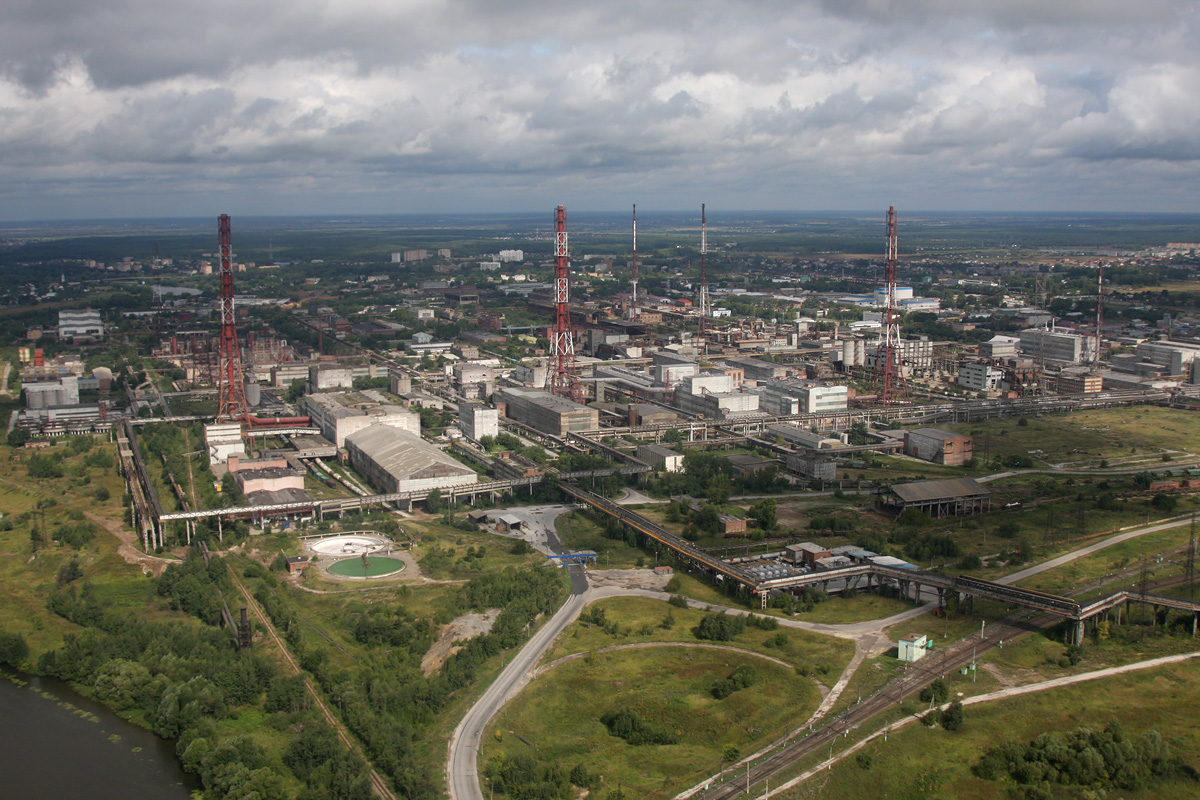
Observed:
{"x":848,"y":353}
{"x":253,"y":394}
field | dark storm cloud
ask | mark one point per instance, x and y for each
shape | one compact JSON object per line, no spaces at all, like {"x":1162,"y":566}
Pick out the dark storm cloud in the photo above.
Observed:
{"x":457,"y":102}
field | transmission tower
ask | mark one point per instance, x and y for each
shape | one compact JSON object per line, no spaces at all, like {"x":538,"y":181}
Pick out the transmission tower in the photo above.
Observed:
{"x":633,"y":311}
{"x":231,"y":391}
{"x":704,"y":302}
{"x":564,"y":381}
{"x":889,"y":373}
{"x":1100,"y":313}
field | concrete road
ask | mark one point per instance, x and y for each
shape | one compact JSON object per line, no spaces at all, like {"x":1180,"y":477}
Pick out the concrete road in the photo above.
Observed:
{"x":462,"y":773}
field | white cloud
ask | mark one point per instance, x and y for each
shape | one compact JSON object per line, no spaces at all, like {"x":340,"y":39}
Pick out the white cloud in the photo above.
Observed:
{"x":391,"y":106}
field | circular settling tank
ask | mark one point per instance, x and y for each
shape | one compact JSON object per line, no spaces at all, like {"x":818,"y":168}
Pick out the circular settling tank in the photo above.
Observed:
{"x":375,"y":567}
{"x":350,"y":545}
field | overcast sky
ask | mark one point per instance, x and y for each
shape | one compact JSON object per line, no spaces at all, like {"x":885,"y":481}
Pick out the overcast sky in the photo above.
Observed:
{"x":175,"y":108}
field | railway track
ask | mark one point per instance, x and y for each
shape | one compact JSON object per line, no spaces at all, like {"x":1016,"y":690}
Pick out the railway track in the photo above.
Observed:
{"x":378,"y":784}
{"x":919,"y":675}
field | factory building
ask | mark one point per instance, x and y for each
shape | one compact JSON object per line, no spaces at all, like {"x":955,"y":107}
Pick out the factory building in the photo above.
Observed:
{"x":938,"y":446}
{"x":43,"y":394}
{"x":474,"y":381}
{"x":802,"y":397}
{"x":546,"y":412}
{"x":80,"y":324}
{"x":980,"y":377}
{"x":222,"y":440}
{"x":394,"y":460}
{"x":324,"y":378}
{"x":340,"y":414}
{"x":477,"y":421}
{"x":660,"y":457}
{"x":1069,"y":348}
{"x":756,"y":369}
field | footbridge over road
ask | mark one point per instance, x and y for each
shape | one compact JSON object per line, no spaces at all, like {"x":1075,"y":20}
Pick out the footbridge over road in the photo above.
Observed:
{"x":909,"y":582}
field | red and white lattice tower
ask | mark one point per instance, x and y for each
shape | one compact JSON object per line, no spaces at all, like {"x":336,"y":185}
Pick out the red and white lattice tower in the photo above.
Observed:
{"x":889,"y":359}
{"x":704,"y":301}
{"x":231,"y":391}
{"x":564,"y":381}
{"x":633,"y":310}
{"x":1100,"y":316}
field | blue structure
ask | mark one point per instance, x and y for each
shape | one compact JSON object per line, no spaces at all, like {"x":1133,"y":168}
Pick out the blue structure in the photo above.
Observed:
{"x":574,"y":557}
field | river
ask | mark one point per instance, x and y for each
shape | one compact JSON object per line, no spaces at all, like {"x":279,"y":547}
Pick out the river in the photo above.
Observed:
{"x":55,"y":743}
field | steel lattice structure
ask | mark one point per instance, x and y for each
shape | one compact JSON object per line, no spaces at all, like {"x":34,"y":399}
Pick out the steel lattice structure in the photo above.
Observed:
{"x":889,"y":359}
{"x":231,"y":391}
{"x":564,"y":380}
{"x":633,"y":271}
{"x":704,"y":301}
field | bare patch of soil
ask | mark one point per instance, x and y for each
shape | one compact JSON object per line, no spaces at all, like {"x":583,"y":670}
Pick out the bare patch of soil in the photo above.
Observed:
{"x":466,"y":627}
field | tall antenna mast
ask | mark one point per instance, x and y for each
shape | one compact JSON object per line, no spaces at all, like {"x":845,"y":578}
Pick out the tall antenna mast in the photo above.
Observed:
{"x":703,"y":270}
{"x":231,"y":392}
{"x":564,"y":381}
{"x":889,"y":375}
{"x":633,"y":302}
{"x":1100,"y":313}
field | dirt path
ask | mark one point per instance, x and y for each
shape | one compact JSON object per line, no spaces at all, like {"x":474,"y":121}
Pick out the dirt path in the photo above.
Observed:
{"x":1000,"y":694}
{"x":127,"y":549}
{"x":558,"y":662}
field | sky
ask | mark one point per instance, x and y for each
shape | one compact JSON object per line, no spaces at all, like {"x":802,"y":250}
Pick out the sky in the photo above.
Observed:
{"x":145,"y":108}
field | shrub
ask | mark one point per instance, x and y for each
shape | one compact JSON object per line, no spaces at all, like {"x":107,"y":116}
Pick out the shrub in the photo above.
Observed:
{"x":720,"y":627}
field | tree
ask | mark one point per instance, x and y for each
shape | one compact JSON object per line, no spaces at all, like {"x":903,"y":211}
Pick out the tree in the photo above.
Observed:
{"x":719,"y":488}
{"x":766,"y":514}
{"x":433,"y":501}
{"x":952,"y":717}
{"x":17,"y":437}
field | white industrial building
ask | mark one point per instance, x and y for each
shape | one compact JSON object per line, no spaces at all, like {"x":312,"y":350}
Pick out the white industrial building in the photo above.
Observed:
{"x":323,"y":378}
{"x":43,"y":394}
{"x":477,"y":421}
{"x":980,"y":377}
{"x":339,"y":414}
{"x":222,"y":440}
{"x":81,"y":324}
{"x":394,"y":460}
{"x":1051,"y":345}
{"x":660,"y":457}
{"x":802,"y":397}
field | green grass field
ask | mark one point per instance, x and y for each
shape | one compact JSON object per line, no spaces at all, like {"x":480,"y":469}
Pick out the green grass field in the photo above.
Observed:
{"x":375,"y":567}
{"x":557,"y":717}
{"x":1086,"y":435}
{"x":933,"y":763}
{"x":641,"y":619}
{"x":578,"y":531}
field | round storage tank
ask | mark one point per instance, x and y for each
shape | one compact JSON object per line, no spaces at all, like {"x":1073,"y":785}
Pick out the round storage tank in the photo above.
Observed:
{"x":253,"y":394}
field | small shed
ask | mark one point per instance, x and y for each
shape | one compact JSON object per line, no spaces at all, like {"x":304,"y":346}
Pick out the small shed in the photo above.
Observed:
{"x":806,"y":553}
{"x":296,"y":564}
{"x":508,"y":522}
{"x":731,"y":524}
{"x":912,"y":647}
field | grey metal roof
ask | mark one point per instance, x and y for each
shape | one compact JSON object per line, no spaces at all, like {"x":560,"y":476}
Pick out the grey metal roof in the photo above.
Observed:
{"x":936,"y":433}
{"x":938,"y":490}
{"x":405,"y":455}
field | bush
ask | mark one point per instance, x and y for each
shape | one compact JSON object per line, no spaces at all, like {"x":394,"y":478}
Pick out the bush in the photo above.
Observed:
{"x":627,"y":725}
{"x":13,"y":649}
{"x":720,"y":627}
{"x":952,"y":717}
{"x":678,"y":601}
{"x":742,"y":677}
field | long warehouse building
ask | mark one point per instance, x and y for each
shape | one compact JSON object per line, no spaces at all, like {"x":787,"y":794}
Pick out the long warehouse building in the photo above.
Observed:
{"x":393,"y":460}
{"x":546,"y":412}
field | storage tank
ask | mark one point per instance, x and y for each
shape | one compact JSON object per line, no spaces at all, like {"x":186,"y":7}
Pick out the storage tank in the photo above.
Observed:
{"x":848,"y":354}
{"x":253,"y":394}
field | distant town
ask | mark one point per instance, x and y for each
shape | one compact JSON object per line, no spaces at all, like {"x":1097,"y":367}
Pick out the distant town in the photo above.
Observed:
{"x":400,"y":488}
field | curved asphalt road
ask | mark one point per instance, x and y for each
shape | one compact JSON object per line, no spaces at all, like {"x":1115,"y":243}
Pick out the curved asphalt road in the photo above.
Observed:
{"x":462,"y":769}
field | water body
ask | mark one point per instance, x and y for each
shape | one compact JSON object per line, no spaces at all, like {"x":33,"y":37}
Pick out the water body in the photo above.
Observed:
{"x":55,"y":743}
